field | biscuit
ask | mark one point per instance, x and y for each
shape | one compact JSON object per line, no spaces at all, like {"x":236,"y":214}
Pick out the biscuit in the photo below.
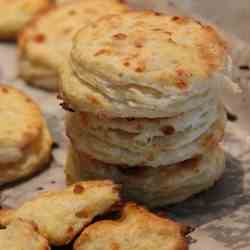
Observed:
{"x":21,"y":234}
{"x":25,"y":142}
{"x":60,"y":216}
{"x":153,"y":187}
{"x":139,"y":135}
{"x":47,"y":41}
{"x":15,"y":14}
{"x":127,"y":153}
{"x":143,"y":64}
{"x":136,"y":229}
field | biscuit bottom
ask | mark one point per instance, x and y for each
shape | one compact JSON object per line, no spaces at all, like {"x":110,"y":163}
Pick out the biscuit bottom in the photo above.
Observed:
{"x":153,"y":187}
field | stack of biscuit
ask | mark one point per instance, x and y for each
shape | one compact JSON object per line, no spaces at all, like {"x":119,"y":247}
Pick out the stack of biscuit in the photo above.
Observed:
{"x":141,"y":89}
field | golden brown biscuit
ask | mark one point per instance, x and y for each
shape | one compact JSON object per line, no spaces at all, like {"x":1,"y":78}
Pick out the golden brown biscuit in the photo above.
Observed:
{"x":25,"y":142}
{"x":47,"y":41}
{"x":15,"y":14}
{"x":21,"y":235}
{"x":60,"y":216}
{"x":137,"y":229}
{"x":153,"y":187}
{"x":143,"y":64}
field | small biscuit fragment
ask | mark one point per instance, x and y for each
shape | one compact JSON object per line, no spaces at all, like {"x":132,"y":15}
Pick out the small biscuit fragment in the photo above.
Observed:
{"x":138,"y":229}
{"x":25,"y":141}
{"x":21,"y":235}
{"x":15,"y":14}
{"x":60,"y":216}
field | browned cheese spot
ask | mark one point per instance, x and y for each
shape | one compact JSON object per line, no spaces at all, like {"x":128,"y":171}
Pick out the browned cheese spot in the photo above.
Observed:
{"x":84,"y":120}
{"x":72,"y":12}
{"x":140,"y":68}
{"x":102,"y":52}
{"x":28,"y":100}
{"x":93,"y":100}
{"x":180,"y":19}
{"x":168,"y":130}
{"x":211,"y":141}
{"x":180,"y":72}
{"x":120,"y":36}
{"x":70,"y":230}
{"x":138,"y":44}
{"x":78,"y":189}
{"x":115,"y":246}
{"x":181,"y":84}
{"x":35,"y":227}
{"x":39,"y":38}
{"x":81,"y":214}
{"x":158,"y":13}
{"x":193,"y":162}
{"x":176,"y":18}
{"x":168,"y":33}
{"x":126,"y":64}
{"x":156,"y":29}
{"x":5,"y":90}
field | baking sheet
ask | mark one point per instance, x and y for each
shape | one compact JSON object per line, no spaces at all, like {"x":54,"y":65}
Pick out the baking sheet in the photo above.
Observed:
{"x":221,"y":214}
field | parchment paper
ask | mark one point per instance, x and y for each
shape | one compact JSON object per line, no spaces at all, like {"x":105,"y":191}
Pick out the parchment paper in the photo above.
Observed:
{"x":221,"y":214}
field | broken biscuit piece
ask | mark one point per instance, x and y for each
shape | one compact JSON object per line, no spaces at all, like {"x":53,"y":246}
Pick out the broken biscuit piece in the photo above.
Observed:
{"x":137,"y":229}
{"x":60,"y":216}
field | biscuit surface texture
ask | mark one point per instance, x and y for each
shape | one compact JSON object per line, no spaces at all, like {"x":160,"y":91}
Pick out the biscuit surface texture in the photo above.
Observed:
{"x":20,"y":235}
{"x":137,"y":229}
{"x":60,"y":216}
{"x":46,"y":42}
{"x":25,"y":142}
{"x":125,"y":151}
{"x":15,"y":14}
{"x":143,"y":65}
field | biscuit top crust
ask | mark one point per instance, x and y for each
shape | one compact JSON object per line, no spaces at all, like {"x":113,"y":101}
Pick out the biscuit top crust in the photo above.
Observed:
{"x":21,"y":123}
{"x":149,"y":49}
